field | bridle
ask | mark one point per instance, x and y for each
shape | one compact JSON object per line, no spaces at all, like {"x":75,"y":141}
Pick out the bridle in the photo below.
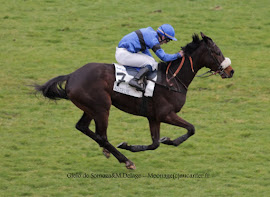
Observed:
{"x":220,"y":70}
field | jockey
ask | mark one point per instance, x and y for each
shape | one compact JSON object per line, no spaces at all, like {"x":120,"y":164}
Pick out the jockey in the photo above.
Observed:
{"x":133,"y":50}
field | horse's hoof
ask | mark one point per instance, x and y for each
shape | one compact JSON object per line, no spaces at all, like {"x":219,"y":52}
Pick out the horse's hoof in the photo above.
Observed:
{"x":122,"y":145}
{"x":106,"y":153}
{"x":164,"y":140}
{"x":130,"y":165}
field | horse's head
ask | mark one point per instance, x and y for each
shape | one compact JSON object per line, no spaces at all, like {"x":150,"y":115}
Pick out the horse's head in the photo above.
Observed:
{"x":215,"y":59}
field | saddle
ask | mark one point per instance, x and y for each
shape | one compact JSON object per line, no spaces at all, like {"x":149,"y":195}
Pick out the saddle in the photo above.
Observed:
{"x":123,"y":74}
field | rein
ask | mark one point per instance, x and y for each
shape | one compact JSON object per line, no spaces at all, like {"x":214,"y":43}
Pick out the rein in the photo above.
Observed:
{"x":178,"y":70}
{"x":209,"y":71}
{"x":175,"y":75}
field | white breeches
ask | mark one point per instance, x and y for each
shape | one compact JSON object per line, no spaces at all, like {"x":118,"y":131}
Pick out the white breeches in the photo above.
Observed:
{"x":123,"y":56}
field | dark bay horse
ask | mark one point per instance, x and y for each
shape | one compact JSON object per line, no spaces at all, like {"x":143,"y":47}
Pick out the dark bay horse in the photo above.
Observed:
{"x":90,"y":88}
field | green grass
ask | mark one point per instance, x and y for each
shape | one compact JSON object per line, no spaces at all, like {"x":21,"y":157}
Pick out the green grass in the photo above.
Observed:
{"x":40,"y":146}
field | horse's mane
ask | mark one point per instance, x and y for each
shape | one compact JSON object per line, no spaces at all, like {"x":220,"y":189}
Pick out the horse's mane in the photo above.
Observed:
{"x":191,"y":47}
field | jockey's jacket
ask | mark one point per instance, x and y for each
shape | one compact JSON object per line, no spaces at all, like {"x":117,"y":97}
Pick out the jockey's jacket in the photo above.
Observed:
{"x":143,"y":40}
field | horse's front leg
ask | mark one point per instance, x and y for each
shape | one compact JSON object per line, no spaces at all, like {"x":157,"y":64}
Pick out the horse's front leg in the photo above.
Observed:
{"x":155,"y":134}
{"x":174,"y":119}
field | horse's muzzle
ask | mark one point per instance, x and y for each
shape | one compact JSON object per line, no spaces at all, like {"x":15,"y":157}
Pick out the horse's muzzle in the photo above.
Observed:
{"x":227,"y":73}
{"x":232,"y":72}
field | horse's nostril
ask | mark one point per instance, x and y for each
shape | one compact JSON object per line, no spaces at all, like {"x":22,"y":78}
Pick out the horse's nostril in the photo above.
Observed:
{"x":232,"y":72}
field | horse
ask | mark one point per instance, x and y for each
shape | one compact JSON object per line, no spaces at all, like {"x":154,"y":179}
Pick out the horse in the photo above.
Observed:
{"x":90,"y":88}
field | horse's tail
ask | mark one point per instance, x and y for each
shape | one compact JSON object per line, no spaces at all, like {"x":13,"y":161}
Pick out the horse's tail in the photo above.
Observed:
{"x":53,"y":89}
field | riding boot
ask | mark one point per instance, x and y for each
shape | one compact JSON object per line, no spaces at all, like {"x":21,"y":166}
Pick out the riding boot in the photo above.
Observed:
{"x":135,"y":81}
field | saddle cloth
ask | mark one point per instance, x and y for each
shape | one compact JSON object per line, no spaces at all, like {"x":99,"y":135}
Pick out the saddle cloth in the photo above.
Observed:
{"x":123,"y":74}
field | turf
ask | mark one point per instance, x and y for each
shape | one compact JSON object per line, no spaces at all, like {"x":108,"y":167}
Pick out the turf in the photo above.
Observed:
{"x":42,"y":154}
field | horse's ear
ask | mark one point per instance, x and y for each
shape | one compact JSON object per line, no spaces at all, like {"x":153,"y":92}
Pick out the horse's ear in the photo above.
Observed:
{"x":205,"y":38}
{"x":202,"y":34}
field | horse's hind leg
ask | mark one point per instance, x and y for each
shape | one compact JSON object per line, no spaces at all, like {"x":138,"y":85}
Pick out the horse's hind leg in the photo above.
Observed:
{"x":83,"y":126}
{"x":155,"y":134}
{"x":173,"y":119}
{"x":101,"y":121}
{"x":101,"y":138}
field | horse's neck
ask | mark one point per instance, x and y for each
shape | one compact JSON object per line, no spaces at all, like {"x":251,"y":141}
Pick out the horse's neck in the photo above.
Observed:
{"x":186,"y":74}
{"x":195,"y":61}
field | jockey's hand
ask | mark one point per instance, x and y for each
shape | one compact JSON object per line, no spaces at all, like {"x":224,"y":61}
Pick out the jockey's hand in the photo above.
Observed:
{"x":182,"y":53}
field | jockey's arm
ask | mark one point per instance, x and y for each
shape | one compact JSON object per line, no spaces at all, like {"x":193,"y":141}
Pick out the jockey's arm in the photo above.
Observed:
{"x":164,"y":56}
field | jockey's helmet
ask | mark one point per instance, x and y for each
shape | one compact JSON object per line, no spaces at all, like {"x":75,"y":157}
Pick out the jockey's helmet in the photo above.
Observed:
{"x":167,"y":31}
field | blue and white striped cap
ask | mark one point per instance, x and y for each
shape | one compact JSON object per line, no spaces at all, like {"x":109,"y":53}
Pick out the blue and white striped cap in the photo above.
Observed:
{"x":167,"y":30}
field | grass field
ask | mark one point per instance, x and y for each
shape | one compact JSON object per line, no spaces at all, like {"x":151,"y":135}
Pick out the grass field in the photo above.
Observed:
{"x":42,"y":154}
